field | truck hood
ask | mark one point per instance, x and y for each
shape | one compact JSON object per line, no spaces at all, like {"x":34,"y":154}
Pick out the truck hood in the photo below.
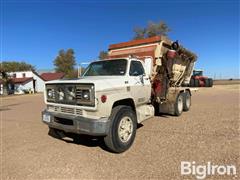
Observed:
{"x":100,"y":82}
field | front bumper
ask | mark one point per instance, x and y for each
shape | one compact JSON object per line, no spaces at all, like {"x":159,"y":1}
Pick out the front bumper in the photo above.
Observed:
{"x":77,"y":124}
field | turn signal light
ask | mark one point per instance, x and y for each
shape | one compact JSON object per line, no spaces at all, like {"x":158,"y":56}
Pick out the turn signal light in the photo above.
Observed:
{"x":103,"y":98}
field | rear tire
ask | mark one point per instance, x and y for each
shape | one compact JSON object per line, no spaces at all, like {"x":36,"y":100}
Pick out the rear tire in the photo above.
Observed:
{"x":196,"y":83}
{"x":122,"y":130}
{"x":206,"y":81}
{"x":186,"y":101}
{"x":156,"y":108}
{"x":178,"y":107}
{"x":192,"y":83}
{"x":210,"y":80}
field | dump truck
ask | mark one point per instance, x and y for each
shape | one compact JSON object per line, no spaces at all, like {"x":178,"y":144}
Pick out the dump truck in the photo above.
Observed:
{"x":199,"y":80}
{"x":140,"y":78}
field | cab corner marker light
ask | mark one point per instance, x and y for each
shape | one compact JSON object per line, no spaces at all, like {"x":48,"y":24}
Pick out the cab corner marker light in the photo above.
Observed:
{"x":103,"y":98}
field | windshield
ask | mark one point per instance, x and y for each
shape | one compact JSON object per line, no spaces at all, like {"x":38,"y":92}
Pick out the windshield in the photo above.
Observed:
{"x":197,"y":73}
{"x":107,"y":68}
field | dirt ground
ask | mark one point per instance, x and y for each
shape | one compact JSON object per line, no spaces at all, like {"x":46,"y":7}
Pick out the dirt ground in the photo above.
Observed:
{"x":226,"y":82}
{"x":209,"y":132}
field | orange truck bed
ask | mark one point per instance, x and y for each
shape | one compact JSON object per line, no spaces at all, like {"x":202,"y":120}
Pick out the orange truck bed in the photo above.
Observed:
{"x":139,"y":48}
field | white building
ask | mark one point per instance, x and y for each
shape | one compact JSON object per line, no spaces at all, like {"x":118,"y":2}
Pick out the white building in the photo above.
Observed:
{"x":29,"y":81}
{"x":26,"y":81}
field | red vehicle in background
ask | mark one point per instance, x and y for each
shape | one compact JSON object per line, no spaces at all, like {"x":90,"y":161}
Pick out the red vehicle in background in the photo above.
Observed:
{"x":198,"y":80}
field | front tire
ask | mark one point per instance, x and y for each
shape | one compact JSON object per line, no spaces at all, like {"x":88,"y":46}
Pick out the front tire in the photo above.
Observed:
{"x":56,"y":133}
{"x":178,"y":107}
{"x":122,"y":130}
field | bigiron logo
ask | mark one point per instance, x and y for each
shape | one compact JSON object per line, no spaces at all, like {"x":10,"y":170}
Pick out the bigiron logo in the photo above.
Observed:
{"x":204,"y":170}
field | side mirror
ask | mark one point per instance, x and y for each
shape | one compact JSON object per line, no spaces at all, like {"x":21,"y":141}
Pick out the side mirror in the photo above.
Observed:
{"x":175,"y":45}
{"x":148,"y":63}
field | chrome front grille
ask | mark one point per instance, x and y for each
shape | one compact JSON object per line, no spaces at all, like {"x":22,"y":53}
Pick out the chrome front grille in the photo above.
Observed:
{"x":71,"y":94}
{"x":79,"y":112}
{"x":52,"y":108}
{"x":66,"y":110}
{"x":79,"y":94}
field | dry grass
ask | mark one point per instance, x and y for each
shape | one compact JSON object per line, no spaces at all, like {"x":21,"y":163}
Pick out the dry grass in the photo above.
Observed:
{"x":226,"y":82}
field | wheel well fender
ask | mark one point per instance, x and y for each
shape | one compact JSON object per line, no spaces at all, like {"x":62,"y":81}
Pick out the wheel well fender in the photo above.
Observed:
{"x":127,"y":102}
{"x":187,"y":90}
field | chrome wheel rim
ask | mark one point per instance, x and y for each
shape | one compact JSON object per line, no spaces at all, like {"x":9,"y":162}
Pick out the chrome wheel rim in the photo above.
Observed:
{"x":180,"y":104}
{"x":125,"y":129}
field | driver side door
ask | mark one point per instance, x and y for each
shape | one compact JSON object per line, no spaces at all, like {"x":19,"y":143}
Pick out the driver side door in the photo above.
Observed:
{"x":140,"y":87}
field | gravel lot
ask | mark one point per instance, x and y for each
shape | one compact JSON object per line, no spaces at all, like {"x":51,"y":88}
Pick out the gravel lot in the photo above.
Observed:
{"x":208,"y":132}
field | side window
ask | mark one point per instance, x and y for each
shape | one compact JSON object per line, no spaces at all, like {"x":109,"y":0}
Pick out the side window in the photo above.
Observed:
{"x":136,"y":69}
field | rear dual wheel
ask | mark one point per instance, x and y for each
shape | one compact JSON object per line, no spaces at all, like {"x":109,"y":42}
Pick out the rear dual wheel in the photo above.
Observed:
{"x":196,"y":83}
{"x":191,"y":84}
{"x":178,"y":107}
{"x":209,"y":82}
{"x":186,"y":101}
{"x":183,"y":103}
{"x":206,"y":81}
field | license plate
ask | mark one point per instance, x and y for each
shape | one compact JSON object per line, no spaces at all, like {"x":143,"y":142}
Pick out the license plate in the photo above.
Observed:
{"x":46,"y":118}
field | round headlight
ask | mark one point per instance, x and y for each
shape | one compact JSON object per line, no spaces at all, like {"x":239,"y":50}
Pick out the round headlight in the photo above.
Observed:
{"x":50,"y":93}
{"x":71,"y":93}
{"x":86,"y":94}
{"x":61,"y":94}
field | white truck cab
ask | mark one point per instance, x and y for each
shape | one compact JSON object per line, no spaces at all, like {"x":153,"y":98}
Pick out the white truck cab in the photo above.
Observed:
{"x":109,"y":100}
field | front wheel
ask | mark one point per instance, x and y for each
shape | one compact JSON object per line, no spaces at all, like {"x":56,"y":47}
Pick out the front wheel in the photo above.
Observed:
{"x":58,"y":134}
{"x":122,"y":129}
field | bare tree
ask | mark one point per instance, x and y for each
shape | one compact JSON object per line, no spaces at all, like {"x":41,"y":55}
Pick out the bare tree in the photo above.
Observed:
{"x":157,"y":29}
{"x":139,"y":33}
{"x":152,"y":29}
{"x":103,"y":55}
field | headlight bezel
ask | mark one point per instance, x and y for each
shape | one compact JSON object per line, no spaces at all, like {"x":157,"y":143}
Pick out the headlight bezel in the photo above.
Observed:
{"x":86,"y":95}
{"x":52,"y":89}
{"x":80,"y":101}
{"x":70,"y":94}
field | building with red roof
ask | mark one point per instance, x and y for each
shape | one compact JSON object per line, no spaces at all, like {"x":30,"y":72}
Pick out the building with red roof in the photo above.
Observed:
{"x":25,"y":81}
{"x":21,"y":80}
{"x":29,"y":81}
{"x":52,"y":76}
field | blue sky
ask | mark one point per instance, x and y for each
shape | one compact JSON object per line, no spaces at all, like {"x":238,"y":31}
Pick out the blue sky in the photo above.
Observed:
{"x":34,"y":31}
